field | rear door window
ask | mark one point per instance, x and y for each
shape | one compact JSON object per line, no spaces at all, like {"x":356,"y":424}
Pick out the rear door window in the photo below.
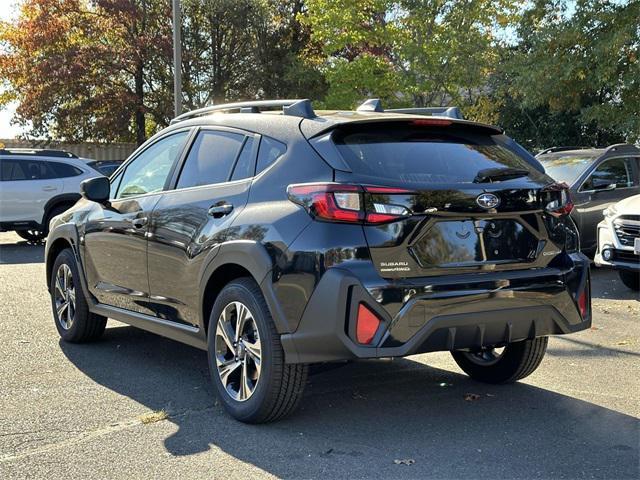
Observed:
{"x":412,"y":154}
{"x":616,"y":171}
{"x":211,"y":158}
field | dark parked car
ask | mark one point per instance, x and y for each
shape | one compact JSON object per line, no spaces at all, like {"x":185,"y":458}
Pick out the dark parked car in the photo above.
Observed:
{"x":105,"y":167}
{"x":274,"y":241}
{"x":597,"y":178}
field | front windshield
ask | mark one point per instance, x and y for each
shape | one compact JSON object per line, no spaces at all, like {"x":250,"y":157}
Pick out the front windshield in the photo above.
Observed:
{"x":566,"y":166}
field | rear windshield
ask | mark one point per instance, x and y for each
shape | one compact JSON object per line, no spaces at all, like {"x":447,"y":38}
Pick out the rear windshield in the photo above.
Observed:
{"x":425,"y":156}
{"x":566,"y":167}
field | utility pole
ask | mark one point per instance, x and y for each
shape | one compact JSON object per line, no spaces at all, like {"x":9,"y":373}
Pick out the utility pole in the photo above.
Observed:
{"x":177,"y":57}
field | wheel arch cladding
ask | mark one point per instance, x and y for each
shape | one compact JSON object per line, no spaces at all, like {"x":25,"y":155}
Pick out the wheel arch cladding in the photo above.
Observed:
{"x":58,"y":245}
{"x":64,"y":199}
{"x":237,"y":259}
{"x":219,"y":278}
{"x":63,"y":236}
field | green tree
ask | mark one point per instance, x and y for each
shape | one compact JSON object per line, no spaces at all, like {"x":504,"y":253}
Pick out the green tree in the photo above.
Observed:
{"x":410,"y":52}
{"x":575,"y":76}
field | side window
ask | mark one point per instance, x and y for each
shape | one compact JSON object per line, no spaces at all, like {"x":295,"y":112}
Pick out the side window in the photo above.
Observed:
{"x":36,"y":170}
{"x":270,"y":151}
{"x":245,"y":164}
{"x":616,"y":171}
{"x":11,"y":170}
{"x":115,"y":183}
{"x":148,"y":172}
{"x":64,"y":170}
{"x":210,"y":159}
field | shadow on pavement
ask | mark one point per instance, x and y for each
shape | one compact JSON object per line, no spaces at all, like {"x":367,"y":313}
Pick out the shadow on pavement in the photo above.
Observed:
{"x":357,"y":420}
{"x":587,"y":349}
{"x":21,"y":252}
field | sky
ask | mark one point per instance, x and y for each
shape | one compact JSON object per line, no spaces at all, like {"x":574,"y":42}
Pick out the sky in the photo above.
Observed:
{"x":8,"y":13}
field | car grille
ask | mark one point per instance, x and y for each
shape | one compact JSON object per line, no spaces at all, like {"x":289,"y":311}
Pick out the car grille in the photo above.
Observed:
{"x":627,"y":229}
{"x":626,"y":256}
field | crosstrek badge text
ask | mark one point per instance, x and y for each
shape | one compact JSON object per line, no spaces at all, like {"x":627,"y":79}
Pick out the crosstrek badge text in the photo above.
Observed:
{"x":394,"y":266}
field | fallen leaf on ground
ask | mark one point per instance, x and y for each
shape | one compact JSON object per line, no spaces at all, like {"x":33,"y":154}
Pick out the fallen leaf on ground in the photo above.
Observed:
{"x":406,"y":461}
{"x":470,"y":397}
{"x":153,"y":417}
{"x":623,"y":342}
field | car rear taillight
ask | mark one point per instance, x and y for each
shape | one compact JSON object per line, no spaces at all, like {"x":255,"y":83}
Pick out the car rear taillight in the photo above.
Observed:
{"x":337,"y":202}
{"x":559,"y":201}
{"x":367,"y":325}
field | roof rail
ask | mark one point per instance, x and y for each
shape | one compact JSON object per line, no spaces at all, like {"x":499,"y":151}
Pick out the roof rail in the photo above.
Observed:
{"x":621,"y":147}
{"x":295,"y":107}
{"x":43,"y":152}
{"x":560,"y":149}
{"x":374,"y":105}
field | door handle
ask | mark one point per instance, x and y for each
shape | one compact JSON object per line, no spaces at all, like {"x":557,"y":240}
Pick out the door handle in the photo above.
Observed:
{"x":139,"y":222}
{"x":218,"y":211}
{"x":49,"y":189}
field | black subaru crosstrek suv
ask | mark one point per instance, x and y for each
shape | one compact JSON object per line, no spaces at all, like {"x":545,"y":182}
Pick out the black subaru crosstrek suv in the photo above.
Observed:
{"x":275,"y":239}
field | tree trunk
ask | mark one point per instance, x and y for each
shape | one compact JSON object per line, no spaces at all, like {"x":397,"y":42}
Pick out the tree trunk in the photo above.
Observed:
{"x":141,"y":132}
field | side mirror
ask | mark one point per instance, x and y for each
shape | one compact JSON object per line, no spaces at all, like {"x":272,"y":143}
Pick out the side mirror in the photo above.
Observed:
{"x":602,"y":184}
{"x":96,"y":189}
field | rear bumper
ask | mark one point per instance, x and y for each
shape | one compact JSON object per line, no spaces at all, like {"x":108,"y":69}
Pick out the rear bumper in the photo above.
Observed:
{"x":448,"y":313}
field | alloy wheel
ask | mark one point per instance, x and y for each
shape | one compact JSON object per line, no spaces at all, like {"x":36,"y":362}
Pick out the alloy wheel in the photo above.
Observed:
{"x":238,"y":353}
{"x":65,"y":296}
{"x":486,"y":356}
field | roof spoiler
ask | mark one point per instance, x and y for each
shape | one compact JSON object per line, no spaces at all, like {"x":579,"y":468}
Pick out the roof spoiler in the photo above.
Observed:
{"x":295,"y":107}
{"x":375,"y":105}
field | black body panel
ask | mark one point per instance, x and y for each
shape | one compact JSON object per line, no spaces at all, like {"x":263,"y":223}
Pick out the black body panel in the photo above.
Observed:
{"x":158,"y":260}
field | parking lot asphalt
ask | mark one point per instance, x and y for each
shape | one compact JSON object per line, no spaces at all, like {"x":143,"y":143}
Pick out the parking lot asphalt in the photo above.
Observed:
{"x":84,"y":411}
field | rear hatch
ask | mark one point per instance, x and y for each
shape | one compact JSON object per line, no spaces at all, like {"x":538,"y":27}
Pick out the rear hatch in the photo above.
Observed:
{"x":444,"y":197}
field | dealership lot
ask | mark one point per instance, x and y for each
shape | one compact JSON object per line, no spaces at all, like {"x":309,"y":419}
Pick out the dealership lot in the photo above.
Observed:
{"x":69,"y":411}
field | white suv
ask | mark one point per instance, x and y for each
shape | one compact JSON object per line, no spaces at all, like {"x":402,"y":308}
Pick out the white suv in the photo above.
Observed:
{"x":37,"y":185}
{"x":619,"y":241}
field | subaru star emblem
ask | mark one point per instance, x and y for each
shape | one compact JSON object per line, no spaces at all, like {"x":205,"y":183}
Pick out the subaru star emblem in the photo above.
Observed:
{"x":488,"y":201}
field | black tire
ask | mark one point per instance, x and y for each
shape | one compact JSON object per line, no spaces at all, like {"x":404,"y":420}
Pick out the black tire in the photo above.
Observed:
{"x":33,"y":236}
{"x":53,"y":212}
{"x":279,"y":387}
{"x":630,"y":279}
{"x":36,"y":236}
{"x":518,"y":360}
{"x":84,"y":326}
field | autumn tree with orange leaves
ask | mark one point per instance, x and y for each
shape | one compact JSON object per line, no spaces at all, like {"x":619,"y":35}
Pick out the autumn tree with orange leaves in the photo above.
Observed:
{"x":88,"y":70}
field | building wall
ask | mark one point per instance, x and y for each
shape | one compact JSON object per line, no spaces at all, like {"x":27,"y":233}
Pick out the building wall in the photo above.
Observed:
{"x":96,"y":151}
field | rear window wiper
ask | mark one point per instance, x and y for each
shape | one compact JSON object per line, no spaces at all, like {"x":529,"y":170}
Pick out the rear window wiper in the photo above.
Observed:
{"x":491,"y":174}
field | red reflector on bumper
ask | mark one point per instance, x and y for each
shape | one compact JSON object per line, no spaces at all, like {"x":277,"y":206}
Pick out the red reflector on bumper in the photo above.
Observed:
{"x":366,"y":325}
{"x":583,"y":301}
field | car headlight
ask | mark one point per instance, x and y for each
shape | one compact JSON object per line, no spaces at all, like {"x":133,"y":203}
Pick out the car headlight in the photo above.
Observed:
{"x":610,"y":212}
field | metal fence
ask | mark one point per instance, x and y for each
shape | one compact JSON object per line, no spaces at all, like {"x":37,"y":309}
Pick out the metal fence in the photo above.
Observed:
{"x":97,"y":151}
